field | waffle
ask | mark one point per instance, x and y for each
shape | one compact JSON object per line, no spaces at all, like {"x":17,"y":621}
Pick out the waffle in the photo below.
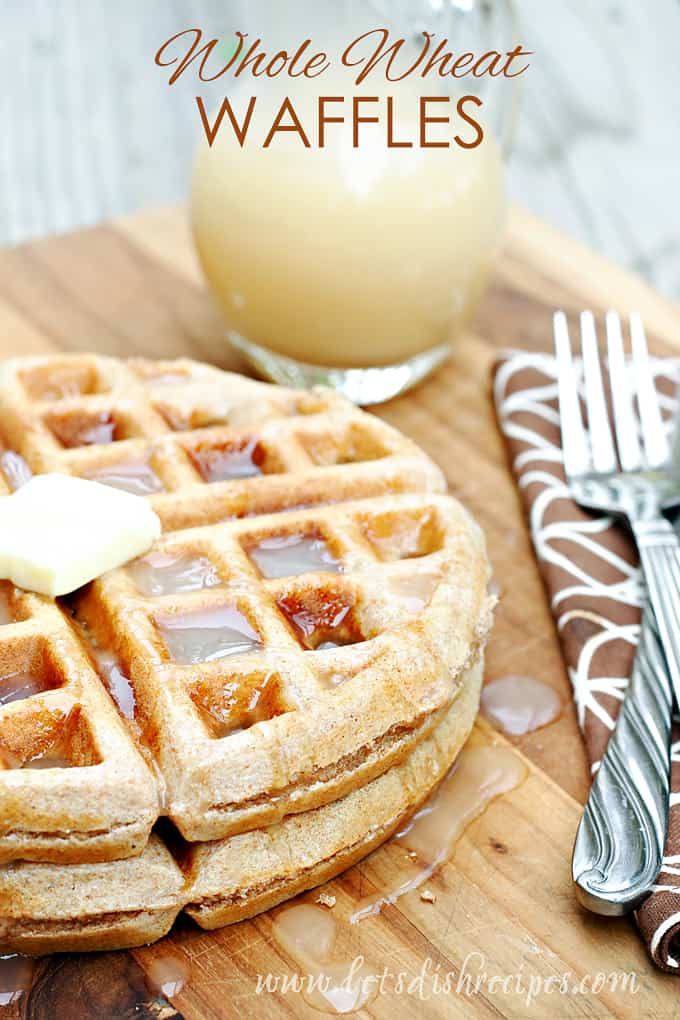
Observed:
{"x":246,"y":690}
{"x":119,"y":904}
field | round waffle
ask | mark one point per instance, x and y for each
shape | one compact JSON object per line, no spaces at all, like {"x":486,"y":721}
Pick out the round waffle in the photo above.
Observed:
{"x":77,"y":907}
{"x":301,"y":627}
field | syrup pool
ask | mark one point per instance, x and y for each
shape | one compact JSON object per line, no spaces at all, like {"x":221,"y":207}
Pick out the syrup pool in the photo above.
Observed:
{"x":16,"y":977}
{"x":520,"y":704}
{"x":221,"y":464}
{"x":18,"y":686}
{"x":96,"y":429}
{"x":412,"y":592}
{"x":15,"y":469}
{"x":161,"y":573}
{"x":115,"y":681}
{"x":136,"y":477}
{"x":478,"y":776}
{"x":52,"y":759}
{"x":207,"y":635}
{"x":290,"y":555}
{"x":168,"y":974}
{"x":112,"y":673}
{"x":307,"y":934}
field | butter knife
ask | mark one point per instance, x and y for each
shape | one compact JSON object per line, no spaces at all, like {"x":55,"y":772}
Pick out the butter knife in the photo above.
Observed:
{"x":619,"y":845}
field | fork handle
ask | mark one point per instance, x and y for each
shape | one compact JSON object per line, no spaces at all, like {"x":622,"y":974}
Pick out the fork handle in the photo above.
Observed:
{"x":659,"y":548}
{"x":619,"y":845}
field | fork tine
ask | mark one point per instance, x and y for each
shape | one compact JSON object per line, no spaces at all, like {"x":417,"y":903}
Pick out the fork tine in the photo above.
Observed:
{"x":601,"y":439}
{"x":625,"y":422}
{"x":653,"y":432}
{"x":574,"y":439}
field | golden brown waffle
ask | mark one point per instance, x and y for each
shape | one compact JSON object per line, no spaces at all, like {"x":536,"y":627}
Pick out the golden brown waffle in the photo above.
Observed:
{"x":316,"y":682}
{"x":47,"y":908}
{"x":72,"y":787}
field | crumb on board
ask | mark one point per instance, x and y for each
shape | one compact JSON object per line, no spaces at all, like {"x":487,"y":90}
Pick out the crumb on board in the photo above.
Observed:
{"x":326,"y":900}
{"x":427,"y":896}
{"x":412,"y":854}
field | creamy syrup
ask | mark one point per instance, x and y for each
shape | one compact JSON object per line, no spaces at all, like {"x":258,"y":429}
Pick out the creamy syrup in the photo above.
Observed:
{"x":161,"y":573}
{"x":290,"y":555}
{"x":333,"y":680}
{"x":17,"y":686}
{"x":137,"y":477}
{"x":386,"y":251}
{"x":97,"y":429}
{"x":168,"y":974}
{"x":479,"y":776}
{"x":115,"y":681}
{"x":16,"y":977}
{"x":220,"y":464}
{"x":207,"y":635}
{"x":54,"y":758}
{"x":328,"y":623}
{"x":60,"y":382}
{"x":112,"y":673}
{"x":15,"y":469}
{"x":307,"y":934}
{"x":520,"y":704}
{"x":412,"y":592}
{"x":231,"y":714}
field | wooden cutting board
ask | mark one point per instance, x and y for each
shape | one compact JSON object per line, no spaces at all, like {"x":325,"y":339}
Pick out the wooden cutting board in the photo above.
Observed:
{"x":505,"y":897}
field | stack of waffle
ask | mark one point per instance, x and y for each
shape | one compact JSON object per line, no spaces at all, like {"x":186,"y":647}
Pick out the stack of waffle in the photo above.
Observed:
{"x":260,"y":700}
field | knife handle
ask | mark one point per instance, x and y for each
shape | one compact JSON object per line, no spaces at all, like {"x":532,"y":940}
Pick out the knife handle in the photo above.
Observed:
{"x":619,"y":845}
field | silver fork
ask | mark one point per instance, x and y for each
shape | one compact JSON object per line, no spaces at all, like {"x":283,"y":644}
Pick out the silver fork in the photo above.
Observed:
{"x":619,"y":846}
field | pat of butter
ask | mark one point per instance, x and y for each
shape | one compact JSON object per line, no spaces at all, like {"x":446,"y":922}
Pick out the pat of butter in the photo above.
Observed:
{"x":58,"y":532}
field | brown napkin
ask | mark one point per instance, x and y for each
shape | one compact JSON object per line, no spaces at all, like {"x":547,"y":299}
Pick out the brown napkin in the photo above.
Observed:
{"x":591,"y":572}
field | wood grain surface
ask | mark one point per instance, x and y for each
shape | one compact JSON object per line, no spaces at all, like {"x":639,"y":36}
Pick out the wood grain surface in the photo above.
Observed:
{"x":505,"y":897}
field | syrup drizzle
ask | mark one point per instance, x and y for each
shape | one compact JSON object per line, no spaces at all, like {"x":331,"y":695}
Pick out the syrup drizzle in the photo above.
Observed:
{"x":15,"y":469}
{"x":220,"y":464}
{"x":18,"y":686}
{"x":53,"y":758}
{"x":137,"y":477}
{"x":161,"y":573}
{"x":478,"y":776}
{"x":520,"y":704}
{"x":115,"y":681}
{"x":98,"y":428}
{"x":109,"y":668}
{"x":291,"y":555}
{"x":233,"y":714}
{"x":324,"y":621}
{"x":307,"y":934}
{"x":207,"y":635}
{"x":16,"y":977}
{"x":412,"y":592}
{"x":168,"y":974}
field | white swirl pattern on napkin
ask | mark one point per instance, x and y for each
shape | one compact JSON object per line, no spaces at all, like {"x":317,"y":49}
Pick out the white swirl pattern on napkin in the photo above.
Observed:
{"x":541,"y":401}
{"x":630,"y":590}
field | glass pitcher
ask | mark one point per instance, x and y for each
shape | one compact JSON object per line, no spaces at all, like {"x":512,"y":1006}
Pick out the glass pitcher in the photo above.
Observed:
{"x":356,"y":264}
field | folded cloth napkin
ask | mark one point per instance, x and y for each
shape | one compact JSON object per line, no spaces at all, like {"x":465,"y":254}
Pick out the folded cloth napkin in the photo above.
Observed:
{"x":590,"y":568}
